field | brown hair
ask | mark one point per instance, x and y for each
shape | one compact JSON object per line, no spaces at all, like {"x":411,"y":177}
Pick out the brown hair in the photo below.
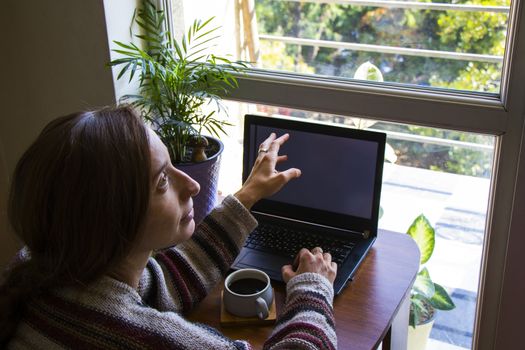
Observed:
{"x":77,"y":199}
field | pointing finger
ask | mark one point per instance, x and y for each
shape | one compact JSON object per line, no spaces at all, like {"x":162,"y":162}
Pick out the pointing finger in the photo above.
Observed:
{"x":277,"y":143}
{"x":265,"y":145}
{"x":282,"y":158}
{"x":290,"y":174}
{"x":282,"y":139}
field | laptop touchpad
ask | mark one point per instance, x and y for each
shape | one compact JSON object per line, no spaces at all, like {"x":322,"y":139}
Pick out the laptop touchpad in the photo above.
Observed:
{"x":272,"y":264}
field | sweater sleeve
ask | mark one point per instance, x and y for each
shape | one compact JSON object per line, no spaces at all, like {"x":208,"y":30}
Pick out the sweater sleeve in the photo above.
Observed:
{"x":305,"y":323}
{"x":176,"y":279}
{"x":307,"y":320}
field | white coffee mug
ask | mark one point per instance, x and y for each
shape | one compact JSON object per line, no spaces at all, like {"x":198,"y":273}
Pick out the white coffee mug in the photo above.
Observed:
{"x":248,"y":293}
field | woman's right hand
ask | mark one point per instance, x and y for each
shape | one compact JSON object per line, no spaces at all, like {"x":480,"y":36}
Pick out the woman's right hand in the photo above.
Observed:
{"x":311,"y":261}
{"x":264,"y":180}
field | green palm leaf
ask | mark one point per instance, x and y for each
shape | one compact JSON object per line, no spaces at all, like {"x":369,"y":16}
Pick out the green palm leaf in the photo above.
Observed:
{"x":176,"y":77}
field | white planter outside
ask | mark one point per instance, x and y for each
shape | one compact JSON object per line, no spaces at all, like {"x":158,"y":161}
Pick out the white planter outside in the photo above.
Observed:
{"x":418,"y":337}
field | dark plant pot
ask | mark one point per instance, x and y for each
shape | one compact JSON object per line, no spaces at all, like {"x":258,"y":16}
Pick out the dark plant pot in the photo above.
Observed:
{"x":206,"y":173}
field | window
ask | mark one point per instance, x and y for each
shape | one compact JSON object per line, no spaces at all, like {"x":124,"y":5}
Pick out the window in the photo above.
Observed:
{"x":452,"y":45}
{"x":444,"y":175}
{"x":477,"y":102}
{"x":456,"y":45}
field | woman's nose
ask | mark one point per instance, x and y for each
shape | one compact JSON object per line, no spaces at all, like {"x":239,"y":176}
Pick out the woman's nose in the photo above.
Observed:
{"x":188,"y":186}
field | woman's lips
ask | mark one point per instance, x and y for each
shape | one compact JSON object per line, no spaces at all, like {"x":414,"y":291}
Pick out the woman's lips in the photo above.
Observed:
{"x":188,"y":217}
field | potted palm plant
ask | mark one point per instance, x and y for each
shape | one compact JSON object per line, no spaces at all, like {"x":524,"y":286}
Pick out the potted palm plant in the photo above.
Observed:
{"x":180,"y":89}
{"x":426,"y":296}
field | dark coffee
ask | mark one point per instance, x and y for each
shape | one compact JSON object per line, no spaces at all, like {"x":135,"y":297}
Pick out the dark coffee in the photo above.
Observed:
{"x":247,"y":286}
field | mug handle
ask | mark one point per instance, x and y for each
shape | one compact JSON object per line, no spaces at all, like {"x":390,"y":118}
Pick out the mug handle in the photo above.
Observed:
{"x":262,"y":308}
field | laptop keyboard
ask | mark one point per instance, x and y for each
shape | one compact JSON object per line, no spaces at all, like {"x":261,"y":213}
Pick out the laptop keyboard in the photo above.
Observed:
{"x":288,"y":242}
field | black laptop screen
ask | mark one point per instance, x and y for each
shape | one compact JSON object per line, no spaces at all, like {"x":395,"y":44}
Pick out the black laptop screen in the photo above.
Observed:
{"x":341,"y":171}
{"x":338,"y":173}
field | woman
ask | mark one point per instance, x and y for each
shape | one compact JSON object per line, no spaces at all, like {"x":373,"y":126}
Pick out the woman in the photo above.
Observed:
{"x":92,"y":198}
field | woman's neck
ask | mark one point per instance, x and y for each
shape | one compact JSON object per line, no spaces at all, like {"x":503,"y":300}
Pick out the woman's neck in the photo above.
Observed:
{"x":130,"y":268}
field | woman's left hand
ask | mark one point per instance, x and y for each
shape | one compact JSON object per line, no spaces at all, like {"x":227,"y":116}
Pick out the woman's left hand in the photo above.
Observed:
{"x":264,"y":180}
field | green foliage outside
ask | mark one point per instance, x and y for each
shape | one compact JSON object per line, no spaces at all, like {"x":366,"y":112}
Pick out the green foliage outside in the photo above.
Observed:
{"x":458,"y":31}
{"x":455,"y":160}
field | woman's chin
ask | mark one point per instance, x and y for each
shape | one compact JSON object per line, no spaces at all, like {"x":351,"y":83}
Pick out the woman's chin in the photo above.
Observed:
{"x":186,"y":231}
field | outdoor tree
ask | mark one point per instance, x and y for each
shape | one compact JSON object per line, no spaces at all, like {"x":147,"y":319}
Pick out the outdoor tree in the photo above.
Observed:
{"x":456,"y":31}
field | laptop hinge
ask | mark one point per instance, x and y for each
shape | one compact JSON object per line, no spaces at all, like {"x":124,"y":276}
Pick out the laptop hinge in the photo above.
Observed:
{"x":365,"y":234}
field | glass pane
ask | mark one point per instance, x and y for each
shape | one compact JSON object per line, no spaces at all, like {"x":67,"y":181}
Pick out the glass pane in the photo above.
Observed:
{"x":449,"y":44}
{"x":442,"y":174}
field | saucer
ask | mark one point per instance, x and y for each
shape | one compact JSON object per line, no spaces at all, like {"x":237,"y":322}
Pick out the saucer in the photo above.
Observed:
{"x":229,"y":320}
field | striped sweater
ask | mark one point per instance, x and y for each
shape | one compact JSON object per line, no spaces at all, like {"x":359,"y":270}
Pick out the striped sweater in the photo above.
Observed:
{"x":109,"y":314}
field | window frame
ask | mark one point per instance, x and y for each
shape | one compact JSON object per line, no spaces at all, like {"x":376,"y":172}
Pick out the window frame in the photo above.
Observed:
{"x":499,"y":115}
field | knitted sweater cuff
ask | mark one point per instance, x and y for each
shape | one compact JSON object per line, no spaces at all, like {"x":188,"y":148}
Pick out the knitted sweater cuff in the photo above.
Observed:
{"x":235,"y":210}
{"x":311,"y":281}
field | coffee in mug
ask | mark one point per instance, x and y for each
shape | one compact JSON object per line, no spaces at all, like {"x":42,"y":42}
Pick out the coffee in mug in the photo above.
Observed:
{"x":247,"y":286}
{"x":248,"y":293}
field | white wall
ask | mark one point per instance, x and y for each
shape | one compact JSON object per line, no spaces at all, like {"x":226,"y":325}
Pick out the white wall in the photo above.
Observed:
{"x":56,"y":64}
{"x":118,"y":17}
{"x":8,"y":241}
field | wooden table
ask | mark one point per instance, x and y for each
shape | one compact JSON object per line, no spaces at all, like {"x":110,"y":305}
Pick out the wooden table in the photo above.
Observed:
{"x":372,"y":309}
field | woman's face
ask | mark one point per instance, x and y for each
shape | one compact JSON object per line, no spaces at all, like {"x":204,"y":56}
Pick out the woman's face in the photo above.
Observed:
{"x":169,"y":219}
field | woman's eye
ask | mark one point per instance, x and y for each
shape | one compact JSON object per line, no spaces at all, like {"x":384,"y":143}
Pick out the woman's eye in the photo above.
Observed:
{"x":164,"y":180}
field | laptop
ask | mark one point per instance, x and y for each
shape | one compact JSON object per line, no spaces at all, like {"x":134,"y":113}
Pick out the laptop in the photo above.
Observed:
{"x":334,"y":204}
